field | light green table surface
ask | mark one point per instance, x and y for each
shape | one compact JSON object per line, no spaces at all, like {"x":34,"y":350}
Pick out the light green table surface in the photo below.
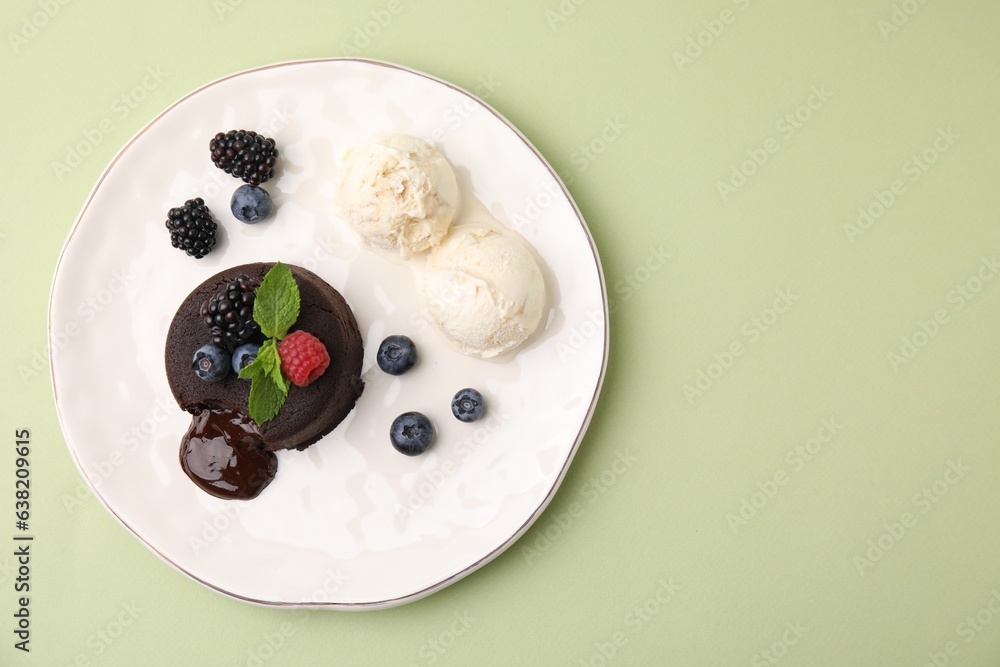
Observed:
{"x":796,"y":205}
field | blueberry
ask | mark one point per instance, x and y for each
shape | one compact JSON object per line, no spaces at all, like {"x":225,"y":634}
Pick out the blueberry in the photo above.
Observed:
{"x":250,"y":204}
{"x":468,"y":405}
{"x":211,"y":362}
{"x":411,"y":433}
{"x":244,"y":355}
{"x":396,"y":355}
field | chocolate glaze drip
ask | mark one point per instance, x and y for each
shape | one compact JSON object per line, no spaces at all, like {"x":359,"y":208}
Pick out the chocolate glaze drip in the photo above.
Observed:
{"x":223,"y":453}
{"x":310,"y":412}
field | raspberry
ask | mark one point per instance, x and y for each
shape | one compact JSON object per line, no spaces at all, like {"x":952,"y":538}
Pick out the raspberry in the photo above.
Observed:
{"x":303,"y":358}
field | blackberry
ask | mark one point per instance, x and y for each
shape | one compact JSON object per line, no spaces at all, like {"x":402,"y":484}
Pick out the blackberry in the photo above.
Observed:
{"x":244,"y":154}
{"x":229,"y":314}
{"x":192,"y":228}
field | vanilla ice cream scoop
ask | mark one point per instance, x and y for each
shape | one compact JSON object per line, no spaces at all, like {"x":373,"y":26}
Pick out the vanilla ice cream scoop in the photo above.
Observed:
{"x":483,"y":288}
{"x":398,"y":192}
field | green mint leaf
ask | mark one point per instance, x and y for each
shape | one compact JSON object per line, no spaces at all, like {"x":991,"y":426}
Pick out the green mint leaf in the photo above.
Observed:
{"x":277,"y":377}
{"x":268,"y":387}
{"x":276,"y":306}
{"x":252,"y":370}
{"x":266,"y":399}
{"x":262,"y":364}
{"x":273,"y":364}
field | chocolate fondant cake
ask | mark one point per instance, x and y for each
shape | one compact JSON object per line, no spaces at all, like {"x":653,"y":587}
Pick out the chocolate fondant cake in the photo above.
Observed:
{"x":309,"y":412}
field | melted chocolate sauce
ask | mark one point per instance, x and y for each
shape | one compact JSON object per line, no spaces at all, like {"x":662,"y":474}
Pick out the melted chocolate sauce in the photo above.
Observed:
{"x":223,"y":453}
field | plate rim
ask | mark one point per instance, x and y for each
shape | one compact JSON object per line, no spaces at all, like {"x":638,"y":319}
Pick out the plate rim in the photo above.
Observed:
{"x":557,"y":482}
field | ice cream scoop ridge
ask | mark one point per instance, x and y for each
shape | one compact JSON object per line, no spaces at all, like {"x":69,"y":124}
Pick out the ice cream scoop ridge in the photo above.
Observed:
{"x":484,"y":289}
{"x":398,"y":192}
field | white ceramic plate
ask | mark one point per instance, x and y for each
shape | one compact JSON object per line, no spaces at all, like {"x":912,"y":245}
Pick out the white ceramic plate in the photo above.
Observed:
{"x":348,"y":523}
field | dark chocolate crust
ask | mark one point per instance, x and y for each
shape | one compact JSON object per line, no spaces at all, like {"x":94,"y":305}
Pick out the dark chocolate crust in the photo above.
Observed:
{"x":310,"y":412}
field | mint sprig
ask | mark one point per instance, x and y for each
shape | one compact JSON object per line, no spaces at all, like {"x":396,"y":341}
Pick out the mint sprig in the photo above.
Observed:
{"x":275,"y":309}
{"x":276,"y":306}
{"x":268,"y":387}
